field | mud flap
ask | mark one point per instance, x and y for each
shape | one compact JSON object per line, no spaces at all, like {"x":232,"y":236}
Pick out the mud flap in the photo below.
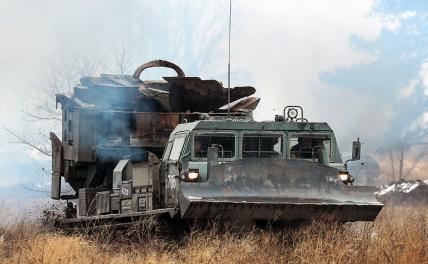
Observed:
{"x":275,"y":189}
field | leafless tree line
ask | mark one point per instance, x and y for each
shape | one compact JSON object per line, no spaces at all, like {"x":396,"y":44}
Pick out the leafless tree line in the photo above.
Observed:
{"x":60,"y":76}
{"x":406,"y":155}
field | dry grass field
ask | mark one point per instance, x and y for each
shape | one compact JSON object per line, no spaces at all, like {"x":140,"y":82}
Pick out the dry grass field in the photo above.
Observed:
{"x":399,"y":235}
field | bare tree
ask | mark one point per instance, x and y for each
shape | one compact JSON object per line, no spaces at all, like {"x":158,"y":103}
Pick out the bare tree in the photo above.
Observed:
{"x":122,"y":59}
{"x":406,"y":154}
{"x":59,"y":76}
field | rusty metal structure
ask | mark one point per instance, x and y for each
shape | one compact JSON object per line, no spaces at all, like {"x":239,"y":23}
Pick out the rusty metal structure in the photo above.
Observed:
{"x":174,"y":147}
{"x":112,"y":117}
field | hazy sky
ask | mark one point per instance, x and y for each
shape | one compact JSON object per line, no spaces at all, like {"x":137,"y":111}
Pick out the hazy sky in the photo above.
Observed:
{"x":360,"y":65}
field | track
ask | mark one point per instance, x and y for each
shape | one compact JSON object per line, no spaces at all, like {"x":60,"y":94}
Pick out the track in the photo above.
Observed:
{"x":87,"y":224}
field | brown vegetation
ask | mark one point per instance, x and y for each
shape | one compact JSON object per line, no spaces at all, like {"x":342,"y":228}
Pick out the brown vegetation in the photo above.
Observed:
{"x":399,"y":235}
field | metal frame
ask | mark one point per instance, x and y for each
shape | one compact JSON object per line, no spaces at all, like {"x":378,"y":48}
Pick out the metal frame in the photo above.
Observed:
{"x":297,"y":119}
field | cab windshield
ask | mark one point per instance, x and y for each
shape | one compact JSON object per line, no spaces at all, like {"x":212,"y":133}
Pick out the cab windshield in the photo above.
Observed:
{"x":261,"y":146}
{"x":308,"y":146}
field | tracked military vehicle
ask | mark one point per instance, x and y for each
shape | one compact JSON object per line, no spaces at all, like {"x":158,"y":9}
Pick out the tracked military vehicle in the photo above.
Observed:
{"x":175,"y":148}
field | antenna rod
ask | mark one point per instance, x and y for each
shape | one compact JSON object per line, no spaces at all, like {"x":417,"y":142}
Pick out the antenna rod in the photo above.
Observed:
{"x":228,"y":65}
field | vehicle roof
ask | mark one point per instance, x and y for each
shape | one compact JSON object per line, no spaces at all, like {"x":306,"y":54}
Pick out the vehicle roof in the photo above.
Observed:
{"x":253,"y":125}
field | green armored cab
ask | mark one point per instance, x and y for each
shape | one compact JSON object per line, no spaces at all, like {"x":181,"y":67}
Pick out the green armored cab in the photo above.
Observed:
{"x":247,"y":170}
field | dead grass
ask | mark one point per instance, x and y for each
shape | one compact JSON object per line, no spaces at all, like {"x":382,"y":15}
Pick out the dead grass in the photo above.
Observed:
{"x":399,"y":235}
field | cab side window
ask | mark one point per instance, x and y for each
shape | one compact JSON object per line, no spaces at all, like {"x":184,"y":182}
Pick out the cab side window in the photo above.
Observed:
{"x":167,"y":151}
{"x":177,"y":147}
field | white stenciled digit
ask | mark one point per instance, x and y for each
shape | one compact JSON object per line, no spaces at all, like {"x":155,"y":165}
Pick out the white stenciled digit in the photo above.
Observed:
{"x":171,"y":182}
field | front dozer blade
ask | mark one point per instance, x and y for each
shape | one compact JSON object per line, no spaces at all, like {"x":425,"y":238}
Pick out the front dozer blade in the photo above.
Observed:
{"x":276,"y":189}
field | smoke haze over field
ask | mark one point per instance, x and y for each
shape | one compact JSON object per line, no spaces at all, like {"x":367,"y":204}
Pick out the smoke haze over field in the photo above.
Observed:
{"x":359,"y":65}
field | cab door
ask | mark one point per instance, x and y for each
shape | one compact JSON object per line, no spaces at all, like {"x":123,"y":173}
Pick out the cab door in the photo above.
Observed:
{"x":170,"y":169}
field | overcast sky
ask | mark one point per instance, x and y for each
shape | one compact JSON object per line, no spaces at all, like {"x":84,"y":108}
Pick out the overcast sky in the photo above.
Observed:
{"x":359,"y":65}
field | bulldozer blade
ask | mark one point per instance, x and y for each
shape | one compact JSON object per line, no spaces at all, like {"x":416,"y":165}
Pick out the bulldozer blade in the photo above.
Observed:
{"x":276,"y":189}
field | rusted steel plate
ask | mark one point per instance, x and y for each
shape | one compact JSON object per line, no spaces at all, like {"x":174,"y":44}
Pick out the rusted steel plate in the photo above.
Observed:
{"x":194,"y":94}
{"x":153,"y":129}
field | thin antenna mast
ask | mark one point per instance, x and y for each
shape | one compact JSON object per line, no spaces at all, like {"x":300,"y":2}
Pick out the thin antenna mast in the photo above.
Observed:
{"x":228,"y":65}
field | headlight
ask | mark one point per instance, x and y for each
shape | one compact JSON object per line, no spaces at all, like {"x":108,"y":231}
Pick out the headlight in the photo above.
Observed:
{"x":192,"y":175}
{"x":345,"y":177}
